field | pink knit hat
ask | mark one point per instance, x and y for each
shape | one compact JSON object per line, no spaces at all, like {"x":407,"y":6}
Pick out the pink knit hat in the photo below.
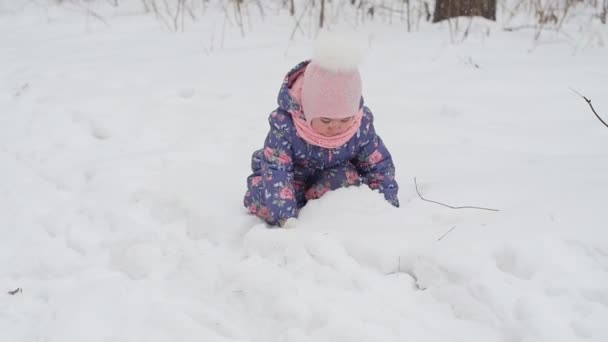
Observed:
{"x":332,"y":84}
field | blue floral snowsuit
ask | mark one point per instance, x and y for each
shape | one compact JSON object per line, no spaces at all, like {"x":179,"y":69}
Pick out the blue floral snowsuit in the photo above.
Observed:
{"x":288,"y":171}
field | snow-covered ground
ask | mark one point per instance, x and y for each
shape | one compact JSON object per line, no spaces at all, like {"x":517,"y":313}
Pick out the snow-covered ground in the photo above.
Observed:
{"x":123,"y":155}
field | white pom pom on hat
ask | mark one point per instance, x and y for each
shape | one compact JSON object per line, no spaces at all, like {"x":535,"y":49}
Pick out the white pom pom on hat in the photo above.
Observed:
{"x":338,"y":51}
{"x":332,"y":83}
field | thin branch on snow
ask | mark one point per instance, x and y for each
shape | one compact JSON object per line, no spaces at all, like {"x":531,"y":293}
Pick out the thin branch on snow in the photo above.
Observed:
{"x":410,"y":273}
{"x":90,"y":12}
{"x":22,"y":89}
{"x":535,"y":27}
{"x":398,"y":267}
{"x":446,"y":233}
{"x":14,"y":292}
{"x":449,"y":206}
{"x":298,"y":21}
{"x":590,"y":105}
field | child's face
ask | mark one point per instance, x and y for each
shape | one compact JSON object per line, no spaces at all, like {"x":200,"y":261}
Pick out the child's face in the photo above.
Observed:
{"x":330,"y":127}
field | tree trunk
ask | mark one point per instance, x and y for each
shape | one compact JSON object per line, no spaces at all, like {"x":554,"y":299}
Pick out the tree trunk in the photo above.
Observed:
{"x":322,"y":16}
{"x":445,"y":9}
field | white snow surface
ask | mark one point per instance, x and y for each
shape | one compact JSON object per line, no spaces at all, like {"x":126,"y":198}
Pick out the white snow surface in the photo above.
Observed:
{"x":124,"y":150}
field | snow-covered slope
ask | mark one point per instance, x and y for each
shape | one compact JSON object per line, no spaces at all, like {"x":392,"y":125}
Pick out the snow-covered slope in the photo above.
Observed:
{"x":123,"y":155}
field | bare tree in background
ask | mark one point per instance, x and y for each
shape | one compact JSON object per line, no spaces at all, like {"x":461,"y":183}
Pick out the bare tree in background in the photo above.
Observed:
{"x":446,"y":9}
{"x":322,"y":15}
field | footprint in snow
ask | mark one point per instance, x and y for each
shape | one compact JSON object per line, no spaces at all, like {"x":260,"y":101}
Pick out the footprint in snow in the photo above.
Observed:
{"x":509,"y":261}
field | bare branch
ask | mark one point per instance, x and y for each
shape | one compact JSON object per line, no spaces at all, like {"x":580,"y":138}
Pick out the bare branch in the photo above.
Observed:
{"x":297,"y":26}
{"x":590,"y":105}
{"x":535,"y":27}
{"x":389,"y":9}
{"x":408,"y":272}
{"x":22,"y":89}
{"x":322,"y":14}
{"x":15,"y":291}
{"x":446,"y":233}
{"x":449,"y":206}
{"x":92,"y":13}
{"x":466,"y":31}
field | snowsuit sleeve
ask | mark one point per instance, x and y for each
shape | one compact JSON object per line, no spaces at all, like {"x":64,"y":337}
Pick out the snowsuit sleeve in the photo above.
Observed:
{"x":374,"y":161}
{"x":277,"y":169}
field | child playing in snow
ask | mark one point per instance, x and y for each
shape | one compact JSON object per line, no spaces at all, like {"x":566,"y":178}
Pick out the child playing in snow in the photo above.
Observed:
{"x":321,"y":138}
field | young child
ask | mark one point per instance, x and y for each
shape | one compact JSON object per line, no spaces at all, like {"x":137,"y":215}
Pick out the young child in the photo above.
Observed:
{"x":321,"y":138}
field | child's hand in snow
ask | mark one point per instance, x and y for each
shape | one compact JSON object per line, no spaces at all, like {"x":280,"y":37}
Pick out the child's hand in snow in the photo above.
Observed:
{"x":392,"y":199}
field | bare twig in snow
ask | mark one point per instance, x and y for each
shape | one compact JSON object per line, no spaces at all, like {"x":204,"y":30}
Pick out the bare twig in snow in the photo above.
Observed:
{"x":146,"y":7}
{"x":398,"y":267}
{"x":22,"y":89}
{"x":178,"y":12}
{"x":451,"y":30}
{"x":446,"y":233}
{"x":449,"y":206}
{"x":409,"y":17}
{"x":591,"y":106}
{"x":390,"y":10}
{"x":427,"y":11}
{"x":238,"y":15}
{"x":408,"y":272}
{"x":466,"y":31}
{"x":469,"y":61}
{"x":297,"y":25}
{"x":564,"y":17}
{"x":15,"y":291}
{"x":159,"y":15}
{"x":536,"y":27}
{"x":92,"y":13}
{"x":322,"y":14}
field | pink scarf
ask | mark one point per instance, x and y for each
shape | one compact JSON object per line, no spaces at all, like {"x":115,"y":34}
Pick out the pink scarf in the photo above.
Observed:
{"x":306,"y":132}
